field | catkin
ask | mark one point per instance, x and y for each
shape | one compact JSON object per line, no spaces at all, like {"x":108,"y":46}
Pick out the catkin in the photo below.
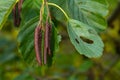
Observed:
{"x":38,"y":44}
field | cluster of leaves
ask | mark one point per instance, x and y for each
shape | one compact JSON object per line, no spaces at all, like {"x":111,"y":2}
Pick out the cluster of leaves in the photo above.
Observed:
{"x":86,"y":19}
{"x":68,"y":63}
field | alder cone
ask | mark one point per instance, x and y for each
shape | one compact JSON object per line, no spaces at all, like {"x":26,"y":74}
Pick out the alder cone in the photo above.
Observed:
{"x":38,"y":44}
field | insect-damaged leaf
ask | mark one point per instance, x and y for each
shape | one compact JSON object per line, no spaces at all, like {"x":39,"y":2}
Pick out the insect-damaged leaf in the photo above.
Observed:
{"x":85,"y":39}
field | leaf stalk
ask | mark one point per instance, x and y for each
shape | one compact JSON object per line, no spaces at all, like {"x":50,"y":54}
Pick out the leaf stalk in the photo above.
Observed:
{"x":53,"y":4}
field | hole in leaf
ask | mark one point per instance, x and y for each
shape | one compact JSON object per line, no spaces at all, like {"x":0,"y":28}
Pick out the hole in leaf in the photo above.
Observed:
{"x":86,"y":40}
{"x":77,"y":41}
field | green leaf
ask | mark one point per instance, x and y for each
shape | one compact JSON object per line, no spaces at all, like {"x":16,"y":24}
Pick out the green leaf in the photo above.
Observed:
{"x":90,"y":12}
{"x":56,"y":12}
{"x":6,"y":7}
{"x":85,"y":39}
{"x":26,"y":42}
{"x":54,"y":45}
{"x":30,"y":9}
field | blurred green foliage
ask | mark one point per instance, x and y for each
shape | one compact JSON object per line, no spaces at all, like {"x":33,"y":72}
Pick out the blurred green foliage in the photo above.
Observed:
{"x":68,"y":65}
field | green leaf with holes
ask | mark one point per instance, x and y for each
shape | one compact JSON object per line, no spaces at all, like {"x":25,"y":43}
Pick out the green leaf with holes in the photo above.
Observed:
{"x":6,"y":7}
{"x":85,"y":39}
